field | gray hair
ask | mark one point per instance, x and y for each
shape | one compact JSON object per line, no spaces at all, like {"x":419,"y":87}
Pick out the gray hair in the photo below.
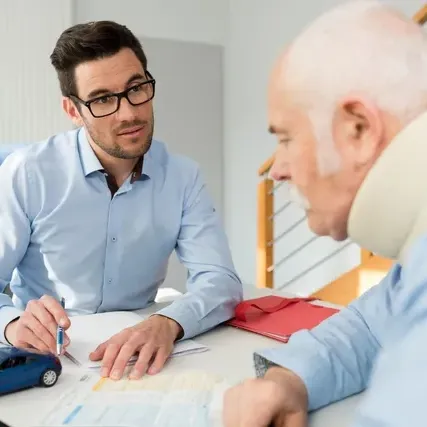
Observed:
{"x":364,"y":48}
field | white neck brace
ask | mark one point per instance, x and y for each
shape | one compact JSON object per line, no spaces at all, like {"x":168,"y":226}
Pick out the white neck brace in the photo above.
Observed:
{"x":390,"y":208}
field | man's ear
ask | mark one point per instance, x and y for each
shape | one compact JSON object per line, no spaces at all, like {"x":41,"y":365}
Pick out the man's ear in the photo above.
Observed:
{"x":72,"y":111}
{"x":358,"y":129}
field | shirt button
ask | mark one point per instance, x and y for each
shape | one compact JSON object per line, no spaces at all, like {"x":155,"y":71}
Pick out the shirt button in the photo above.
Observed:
{"x":114,"y":239}
{"x":110,"y":280}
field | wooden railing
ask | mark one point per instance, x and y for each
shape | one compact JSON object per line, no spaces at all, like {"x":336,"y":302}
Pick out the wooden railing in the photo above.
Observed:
{"x":265,"y":233}
{"x":349,"y":285}
{"x":265,"y":226}
{"x":421,"y":16}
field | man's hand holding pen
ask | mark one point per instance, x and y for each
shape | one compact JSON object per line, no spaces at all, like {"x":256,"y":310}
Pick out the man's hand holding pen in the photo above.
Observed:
{"x":37,"y":327}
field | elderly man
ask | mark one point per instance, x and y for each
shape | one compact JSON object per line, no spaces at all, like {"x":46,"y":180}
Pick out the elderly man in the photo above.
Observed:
{"x":347,"y":102}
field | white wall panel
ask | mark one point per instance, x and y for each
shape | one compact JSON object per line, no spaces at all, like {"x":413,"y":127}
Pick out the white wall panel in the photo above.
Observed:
{"x":30,"y":107}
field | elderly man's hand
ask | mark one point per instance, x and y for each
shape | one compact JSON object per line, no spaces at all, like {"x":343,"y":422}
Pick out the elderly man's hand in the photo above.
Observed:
{"x":279,"y":400}
{"x":153,"y":340}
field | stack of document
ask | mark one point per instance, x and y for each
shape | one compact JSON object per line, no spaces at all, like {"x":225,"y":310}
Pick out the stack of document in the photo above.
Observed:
{"x":89,"y":331}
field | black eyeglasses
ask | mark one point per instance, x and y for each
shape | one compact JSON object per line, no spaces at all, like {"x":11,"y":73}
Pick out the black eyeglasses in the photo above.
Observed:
{"x":108,"y":104}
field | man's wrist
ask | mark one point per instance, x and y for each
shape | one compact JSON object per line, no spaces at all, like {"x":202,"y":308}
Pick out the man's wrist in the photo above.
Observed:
{"x":282,"y":375}
{"x":176,"y":328}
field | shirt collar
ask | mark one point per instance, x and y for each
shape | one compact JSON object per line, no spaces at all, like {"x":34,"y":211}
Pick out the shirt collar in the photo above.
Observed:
{"x":148,"y":164}
{"x":90,"y":163}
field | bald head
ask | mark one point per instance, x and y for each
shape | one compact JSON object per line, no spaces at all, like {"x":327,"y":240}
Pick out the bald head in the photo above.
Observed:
{"x":362,"y":47}
{"x":338,"y":95}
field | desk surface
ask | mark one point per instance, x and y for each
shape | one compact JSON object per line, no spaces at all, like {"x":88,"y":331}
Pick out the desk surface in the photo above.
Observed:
{"x":25,"y":408}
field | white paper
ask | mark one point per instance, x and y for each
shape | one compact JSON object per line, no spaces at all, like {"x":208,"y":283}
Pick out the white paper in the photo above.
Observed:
{"x":88,"y":331}
{"x":187,"y":399}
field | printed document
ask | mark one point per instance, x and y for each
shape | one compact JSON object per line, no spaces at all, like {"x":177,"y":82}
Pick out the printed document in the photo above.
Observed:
{"x":88,"y":331}
{"x":187,"y":399}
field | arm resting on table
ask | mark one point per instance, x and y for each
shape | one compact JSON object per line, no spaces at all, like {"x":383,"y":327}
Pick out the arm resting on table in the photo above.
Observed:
{"x":335,"y":359}
{"x":213,"y":287}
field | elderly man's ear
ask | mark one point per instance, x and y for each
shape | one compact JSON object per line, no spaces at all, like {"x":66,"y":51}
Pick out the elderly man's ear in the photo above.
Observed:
{"x":358,"y":130}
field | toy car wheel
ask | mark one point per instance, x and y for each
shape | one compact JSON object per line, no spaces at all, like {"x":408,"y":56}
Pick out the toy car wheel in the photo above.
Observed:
{"x":49,"y":378}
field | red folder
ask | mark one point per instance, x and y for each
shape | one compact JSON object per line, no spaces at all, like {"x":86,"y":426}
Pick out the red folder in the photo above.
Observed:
{"x":278,"y":317}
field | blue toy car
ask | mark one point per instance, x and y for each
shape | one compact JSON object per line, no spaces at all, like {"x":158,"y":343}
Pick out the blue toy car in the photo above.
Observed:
{"x":21,"y":369}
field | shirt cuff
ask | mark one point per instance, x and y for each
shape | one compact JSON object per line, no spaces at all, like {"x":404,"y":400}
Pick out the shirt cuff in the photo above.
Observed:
{"x":7,"y":314}
{"x":184,"y":317}
{"x":303,"y":362}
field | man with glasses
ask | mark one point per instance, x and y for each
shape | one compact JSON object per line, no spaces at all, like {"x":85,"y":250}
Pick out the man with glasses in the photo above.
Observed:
{"x":92,"y":215}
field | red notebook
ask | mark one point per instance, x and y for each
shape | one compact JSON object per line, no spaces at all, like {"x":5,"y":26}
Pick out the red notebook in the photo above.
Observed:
{"x":278,"y":317}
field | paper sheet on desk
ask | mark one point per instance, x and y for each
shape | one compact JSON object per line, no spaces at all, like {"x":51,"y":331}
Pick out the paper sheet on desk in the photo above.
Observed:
{"x":88,"y":331}
{"x":190,"y":399}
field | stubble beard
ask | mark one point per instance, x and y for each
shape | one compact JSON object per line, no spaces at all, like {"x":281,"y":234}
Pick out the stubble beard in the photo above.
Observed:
{"x":116,"y":150}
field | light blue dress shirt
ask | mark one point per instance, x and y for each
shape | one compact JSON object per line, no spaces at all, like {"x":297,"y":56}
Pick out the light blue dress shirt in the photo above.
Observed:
{"x":373,"y":342}
{"x":396,"y":394}
{"x":62,"y":234}
{"x":5,"y":150}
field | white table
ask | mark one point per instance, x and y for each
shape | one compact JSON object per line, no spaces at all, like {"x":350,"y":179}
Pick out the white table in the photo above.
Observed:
{"x":26,"y":408}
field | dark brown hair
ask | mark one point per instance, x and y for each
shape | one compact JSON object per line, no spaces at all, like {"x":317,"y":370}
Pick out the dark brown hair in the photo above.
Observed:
{"x":87,"y":42}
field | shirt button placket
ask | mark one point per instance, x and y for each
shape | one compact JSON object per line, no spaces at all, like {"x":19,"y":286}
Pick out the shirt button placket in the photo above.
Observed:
{"x":110,"y":268}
